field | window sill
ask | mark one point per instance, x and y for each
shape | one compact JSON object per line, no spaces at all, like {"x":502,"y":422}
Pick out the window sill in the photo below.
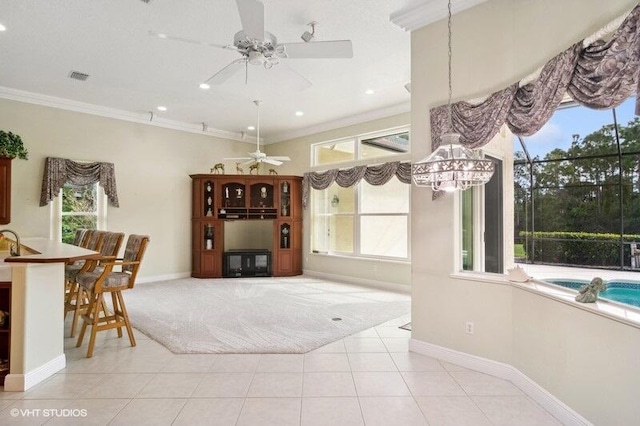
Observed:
{"x":370,"y":259}
{"x":615,"y":311}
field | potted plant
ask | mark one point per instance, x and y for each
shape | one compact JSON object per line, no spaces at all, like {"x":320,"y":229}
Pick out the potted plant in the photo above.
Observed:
{"x":11,"y":146}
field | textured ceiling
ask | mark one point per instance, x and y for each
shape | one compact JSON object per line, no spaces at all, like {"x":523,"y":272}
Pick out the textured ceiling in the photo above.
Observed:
{"x":134,"y":72}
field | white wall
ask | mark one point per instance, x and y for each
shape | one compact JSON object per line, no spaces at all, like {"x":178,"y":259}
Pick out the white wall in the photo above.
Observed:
{"x":495,"y":44}
{"x":152,"y":171}
{"x":356,"y":269}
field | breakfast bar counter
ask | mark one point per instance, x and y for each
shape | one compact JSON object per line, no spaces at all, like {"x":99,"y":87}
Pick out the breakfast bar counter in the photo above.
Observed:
{"x":37,"y":309}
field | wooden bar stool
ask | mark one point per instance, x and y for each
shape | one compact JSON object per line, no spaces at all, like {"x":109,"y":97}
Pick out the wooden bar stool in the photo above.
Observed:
{"x":105,"y":280}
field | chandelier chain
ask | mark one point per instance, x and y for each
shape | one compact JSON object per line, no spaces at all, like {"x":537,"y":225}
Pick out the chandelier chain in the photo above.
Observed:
{"x":450,"y":90}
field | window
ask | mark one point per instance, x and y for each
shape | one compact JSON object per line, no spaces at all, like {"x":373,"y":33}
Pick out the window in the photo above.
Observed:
{"x":577,"y":199}
{"x":77,"y":207}
{"x":389,"y":143}
{"x":364,"y":220}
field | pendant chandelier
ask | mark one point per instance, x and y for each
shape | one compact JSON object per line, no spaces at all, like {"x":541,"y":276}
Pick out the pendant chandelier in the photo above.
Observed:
{"x":451,"y":166}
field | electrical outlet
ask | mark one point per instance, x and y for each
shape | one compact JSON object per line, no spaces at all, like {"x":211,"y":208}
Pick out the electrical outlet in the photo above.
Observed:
{"x":468,"y":327}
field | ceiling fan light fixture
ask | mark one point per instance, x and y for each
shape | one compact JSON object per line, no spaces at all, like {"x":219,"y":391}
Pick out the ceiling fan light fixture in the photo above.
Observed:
{"x":256,"y":58}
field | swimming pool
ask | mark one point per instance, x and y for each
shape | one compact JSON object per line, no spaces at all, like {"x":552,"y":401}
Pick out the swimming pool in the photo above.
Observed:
{"x":621,"y":291}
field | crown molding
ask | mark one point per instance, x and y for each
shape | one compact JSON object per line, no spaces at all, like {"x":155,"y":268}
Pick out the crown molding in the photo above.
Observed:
{"x":342,"y":122}
{"x":145,"y":118}
{"x":142,"y":118}
{"x":420,"y":15}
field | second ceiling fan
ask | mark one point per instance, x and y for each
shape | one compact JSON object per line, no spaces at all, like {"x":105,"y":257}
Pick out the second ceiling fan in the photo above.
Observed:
{"x":259,"y":47}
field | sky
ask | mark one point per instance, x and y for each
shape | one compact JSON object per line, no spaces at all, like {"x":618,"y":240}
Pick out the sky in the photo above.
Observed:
{"x":559,"y":130}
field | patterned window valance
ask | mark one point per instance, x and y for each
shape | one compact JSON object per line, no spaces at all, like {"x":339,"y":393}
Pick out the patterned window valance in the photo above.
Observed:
{"x":597,"y":75}
{"x":373,"y":175}
{"x":58,"y":171}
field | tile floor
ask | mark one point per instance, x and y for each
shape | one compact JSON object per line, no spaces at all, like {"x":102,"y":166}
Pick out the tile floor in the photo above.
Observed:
{"x":366,"y":379}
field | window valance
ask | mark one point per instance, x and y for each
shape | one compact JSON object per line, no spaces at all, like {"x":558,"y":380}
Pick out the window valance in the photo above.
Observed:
{"x":373,"y":175}
{"x":58,"y":171}
{"x":599,"y":75}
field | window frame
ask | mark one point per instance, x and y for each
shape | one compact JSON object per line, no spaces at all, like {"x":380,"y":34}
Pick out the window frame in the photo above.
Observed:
{"x":357,"y":214}
{"x":56,"y":213}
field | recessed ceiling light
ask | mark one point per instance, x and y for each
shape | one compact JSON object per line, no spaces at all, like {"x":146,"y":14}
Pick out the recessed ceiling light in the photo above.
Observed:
{"x":2,"y":28}
{"x":369,"y":91}
{"x":162,"y":108}
{"x":299,"y":113}
{"x":251,"y":127}
{"x":162,"y":35}
{"x":205,"y":86}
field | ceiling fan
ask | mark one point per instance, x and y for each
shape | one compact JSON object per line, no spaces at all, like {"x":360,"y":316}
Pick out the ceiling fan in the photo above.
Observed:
{"x":259,"y":47}
{"x":257,"y":156}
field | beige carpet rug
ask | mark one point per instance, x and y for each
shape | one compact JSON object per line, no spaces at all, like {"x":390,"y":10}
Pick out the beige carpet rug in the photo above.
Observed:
{"x":261,"y":315}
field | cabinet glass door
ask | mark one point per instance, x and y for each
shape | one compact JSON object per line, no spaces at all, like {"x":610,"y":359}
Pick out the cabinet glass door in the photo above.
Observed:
{"x":207,"y":198}
{"x":233,"y":195}
{"x":285,"y":199}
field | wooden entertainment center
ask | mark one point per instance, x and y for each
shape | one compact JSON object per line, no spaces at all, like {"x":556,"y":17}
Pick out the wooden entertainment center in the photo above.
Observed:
{"x":217,"y":198}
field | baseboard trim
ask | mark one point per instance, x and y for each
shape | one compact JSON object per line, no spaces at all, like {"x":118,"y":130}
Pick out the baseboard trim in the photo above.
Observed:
{"x":541,"y":396}
{"x":22,"y":382}
{"x":383,"y":285}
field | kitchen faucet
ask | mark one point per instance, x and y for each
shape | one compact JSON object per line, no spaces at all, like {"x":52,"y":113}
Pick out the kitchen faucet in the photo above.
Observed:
{"x":14,"y":250}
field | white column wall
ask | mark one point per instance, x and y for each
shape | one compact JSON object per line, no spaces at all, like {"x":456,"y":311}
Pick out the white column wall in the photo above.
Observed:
{"x":495,"y":44}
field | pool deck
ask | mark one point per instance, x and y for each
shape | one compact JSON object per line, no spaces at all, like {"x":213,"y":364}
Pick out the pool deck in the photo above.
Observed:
{"x":542,"y":272}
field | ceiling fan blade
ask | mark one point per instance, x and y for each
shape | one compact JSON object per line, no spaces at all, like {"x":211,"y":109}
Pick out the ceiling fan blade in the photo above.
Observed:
{"x":188,"y":40}
{"x":298,"y":81}
{"x":251,"y":161}
{"x":319,"y":49}
{"x":226,"y":72}
{"x":279,"y":157}
{"x":272,"y":160}
{"x":252,"y":17}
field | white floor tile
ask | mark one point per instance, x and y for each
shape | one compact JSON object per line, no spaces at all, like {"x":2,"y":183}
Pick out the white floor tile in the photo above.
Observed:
{"x":396,"y":344}
{"x":189,"y":363}
{"x":171,"y":385}
{"x":331,"y":412}
{"x":334,"y":347}
{"x":232,"y":363}
{"x":514,"y":410}
{"x":364,"y":344}
{"x":64,"y":386}
{"x":410,"y":361}
{"x":328,"y":384}
{"x":475,"y":383}
{"x":451,"y":411}
{"x":88,"y":412}
{"x":326,"y":362}
{"x":385,"y":411}
{"x":270,"y":411}
{"x":150,"y":412}
{"x":270,"y":385}
{"x":215,"y":385}
{"x":30,"y":412}
{"x":273,"y":363}
{"x":380,"y":384}
{"x":118,"y":386}
{"x":363,"y":361}
{"x":204,"y":412}
{"x":431,"y":383}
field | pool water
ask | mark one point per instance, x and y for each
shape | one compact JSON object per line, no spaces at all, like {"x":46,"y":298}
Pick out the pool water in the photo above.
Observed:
{"x":627,"y":292}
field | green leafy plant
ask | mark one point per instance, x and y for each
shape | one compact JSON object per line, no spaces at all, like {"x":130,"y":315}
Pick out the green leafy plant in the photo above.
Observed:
{"x":11,"y":146}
